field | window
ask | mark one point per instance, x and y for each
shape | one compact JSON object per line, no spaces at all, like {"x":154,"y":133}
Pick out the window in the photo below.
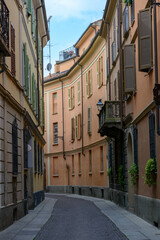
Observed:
{"x":15,"y":147}
{"x":25,"y":147}
{"x":135,"y":139}
{"x":54,"y":103}
{"x":101,"y":159}
{"x":35,"y":156}
{"x":39,"y":163}
{"x":89,"y":83}
{"x":125,"y":20}
{"x":113,"y":52}
{"x":115,"y":89}
{"x":55,"y":166}
{"x":79,"y":163}
{"x":90,"y":161}
{"x":72,"y":164}
{"x":71,"y":97}
{"x":72,"y":129}
{"x":13,"y":59}
{"x":29,"y":84}
{"x":100,"y":72}
{"x":78,"y":126}
{"x":110,"y":155}
{"x":129,"y":68}
{"x":152,"y":135}
{"x":55,"y":133}
{"x":145,"y":40}
{"x":79,"y":92}
{"x":89,"y":121}
{"x":132,"y":11}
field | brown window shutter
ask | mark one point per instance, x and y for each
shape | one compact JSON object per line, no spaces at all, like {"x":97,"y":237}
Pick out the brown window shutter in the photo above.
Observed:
{"x":129,"y":68}
{"x":145,"y":40}
{"x":72,"y":130}
{"x":79,"y":126}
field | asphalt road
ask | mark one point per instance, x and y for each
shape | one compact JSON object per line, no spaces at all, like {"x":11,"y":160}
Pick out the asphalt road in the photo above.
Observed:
{"x":77,"y":219}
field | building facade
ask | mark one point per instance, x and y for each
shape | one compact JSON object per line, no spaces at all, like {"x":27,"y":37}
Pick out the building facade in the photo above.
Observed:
{"x":23,"y":34}
{"x":75,"y":154}
{"x":131,"y":32}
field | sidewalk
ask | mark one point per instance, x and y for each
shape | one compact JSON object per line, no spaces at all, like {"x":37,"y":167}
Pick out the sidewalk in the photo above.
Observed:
{"x":27,"y":227}
{"x":132,"y":226}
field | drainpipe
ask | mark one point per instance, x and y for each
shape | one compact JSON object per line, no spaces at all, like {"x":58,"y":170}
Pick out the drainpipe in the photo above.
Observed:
{"x":42,"y":72}
{"x":37,"y":63}
{"x":82,"y":108}
{"x":120,"y":61}
{"x":109,"y":76}
{"x":156,"y":61}
{"x":3,"y":67}
{"x":63,"y":120}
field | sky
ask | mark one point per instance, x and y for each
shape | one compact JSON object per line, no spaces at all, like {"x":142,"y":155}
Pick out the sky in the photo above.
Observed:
{"x":70,"y":18}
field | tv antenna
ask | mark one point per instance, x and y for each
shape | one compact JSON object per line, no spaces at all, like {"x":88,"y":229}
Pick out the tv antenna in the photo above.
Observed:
{"x":49,"y":65}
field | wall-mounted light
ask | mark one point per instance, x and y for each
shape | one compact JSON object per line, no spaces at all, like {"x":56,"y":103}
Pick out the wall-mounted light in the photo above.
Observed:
{"x":99,"y":105}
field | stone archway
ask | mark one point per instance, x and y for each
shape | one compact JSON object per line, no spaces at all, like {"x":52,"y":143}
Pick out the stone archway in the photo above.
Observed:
{"x":131,"y":200}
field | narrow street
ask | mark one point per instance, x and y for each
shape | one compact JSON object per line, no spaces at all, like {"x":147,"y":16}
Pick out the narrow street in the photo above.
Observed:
{"x":78,"y":219}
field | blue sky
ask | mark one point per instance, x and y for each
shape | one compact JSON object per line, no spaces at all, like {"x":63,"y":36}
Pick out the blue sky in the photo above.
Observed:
{"x":70,"y":18}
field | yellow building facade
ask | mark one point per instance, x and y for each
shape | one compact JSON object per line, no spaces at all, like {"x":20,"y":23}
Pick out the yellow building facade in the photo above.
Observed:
{"x":23,"y":34}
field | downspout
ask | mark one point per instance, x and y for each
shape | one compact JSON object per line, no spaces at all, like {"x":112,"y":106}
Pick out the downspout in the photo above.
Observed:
{"x":68,"y":174}
{"x":120,"y":62}
{"x":37,"y":63}
{"x":156,"y":63}
{"x":109,"y":76}
{"x":3,"y":67}
{"x":63,"y":120}
{"x":82,"y":108}
{"x":42,"y":72}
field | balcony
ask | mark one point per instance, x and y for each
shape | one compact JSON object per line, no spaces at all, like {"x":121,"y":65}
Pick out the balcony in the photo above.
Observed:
{"x":67,"y":54}
{"x":110,"y":119}
{"x":4,"y":29}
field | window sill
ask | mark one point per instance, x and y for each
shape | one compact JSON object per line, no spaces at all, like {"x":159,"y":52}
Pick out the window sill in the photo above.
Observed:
{"x":101,"y":172}
{"x":55,"y":113}
{"x":89,"y":96}
{"x":73,"y":174}
{"x":90,"y":173}
{"x":55,"y":175}
{"x":79,"y":174}
{"x":55,"y":144}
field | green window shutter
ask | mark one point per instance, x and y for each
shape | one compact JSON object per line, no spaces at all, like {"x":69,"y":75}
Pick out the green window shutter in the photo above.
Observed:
{"x":79,"y":92}
{"x":76,"y":126}
{"x":26,"y":75}
{"x":29,"y":7}
{"x":35,"y":34}
{"x":89,"y":121}
{"x":30,"y":84}
{"x":32,"y":21}
{"x":32,"y":91}
{"x":87,"y":88}
{"x":145,"y":40}
{"x":98,"y":73}
{"x":69,"y":98}
{"x":129,"y":68}
{"x":43,"y":112}
{"x":101,"y":64}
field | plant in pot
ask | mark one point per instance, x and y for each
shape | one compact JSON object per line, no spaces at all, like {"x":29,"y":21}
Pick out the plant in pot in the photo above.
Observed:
{"x":150,"y":172}
{"x":121,"y":177}
{"x":133,"y":173}
{"x":109,"y":172}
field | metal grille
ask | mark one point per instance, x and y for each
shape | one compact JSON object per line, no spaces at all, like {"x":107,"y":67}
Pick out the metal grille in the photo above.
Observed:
{"x":4,"y":22}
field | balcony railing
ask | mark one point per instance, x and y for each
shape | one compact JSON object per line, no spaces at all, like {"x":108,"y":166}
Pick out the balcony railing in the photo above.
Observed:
{"x":110,"y":118}
{"x":4,"y":29}
{"x":67,"y":54}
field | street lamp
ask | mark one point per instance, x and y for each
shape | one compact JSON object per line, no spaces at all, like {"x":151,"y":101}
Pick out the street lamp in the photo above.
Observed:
{"x":99,"y":105}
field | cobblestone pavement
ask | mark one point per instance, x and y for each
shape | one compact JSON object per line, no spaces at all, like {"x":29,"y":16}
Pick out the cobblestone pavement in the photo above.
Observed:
{"x":77,"y":219}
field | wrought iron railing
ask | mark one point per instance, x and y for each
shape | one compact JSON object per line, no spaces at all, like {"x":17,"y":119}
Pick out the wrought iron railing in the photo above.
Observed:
{"x":4,"y":22}
{"x":67,"y":53}
{"x":110,"y":113}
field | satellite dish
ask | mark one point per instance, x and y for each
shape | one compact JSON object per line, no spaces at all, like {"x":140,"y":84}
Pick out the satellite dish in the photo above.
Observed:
{"x":49,"y":66}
